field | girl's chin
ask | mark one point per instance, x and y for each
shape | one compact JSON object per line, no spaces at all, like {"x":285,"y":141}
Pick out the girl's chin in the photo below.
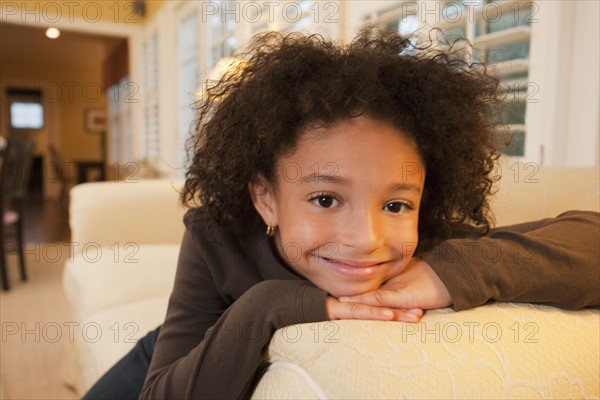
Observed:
{"x":347,"y":291}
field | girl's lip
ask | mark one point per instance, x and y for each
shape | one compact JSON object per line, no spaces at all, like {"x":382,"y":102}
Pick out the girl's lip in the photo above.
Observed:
{"x":354,"y":264}
{"x":361,"y":270}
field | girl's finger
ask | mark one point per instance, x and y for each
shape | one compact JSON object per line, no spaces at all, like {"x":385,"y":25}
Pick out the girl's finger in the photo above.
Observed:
{"x":380,"y":297}
{"x":413,"y":315}
{"x":367,"y":312}
{"x":338,"y":310}
{"x":364,"y":311}
{"x":350,"y":310}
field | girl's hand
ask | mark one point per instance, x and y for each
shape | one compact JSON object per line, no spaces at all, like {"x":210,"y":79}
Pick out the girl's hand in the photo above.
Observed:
{"x":416,"y":287}
{"x":353,"y":310}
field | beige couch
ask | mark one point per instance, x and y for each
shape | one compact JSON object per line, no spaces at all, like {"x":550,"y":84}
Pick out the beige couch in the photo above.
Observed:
{"x":119,"y":282}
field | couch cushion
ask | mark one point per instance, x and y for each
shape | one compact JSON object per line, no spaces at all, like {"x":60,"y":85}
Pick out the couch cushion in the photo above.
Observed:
{"x":105,"y":337}
{"x":528,"y":192}
{"x":141,"y":211}
{"x":495,"y":351}
{"x":102,"y":277}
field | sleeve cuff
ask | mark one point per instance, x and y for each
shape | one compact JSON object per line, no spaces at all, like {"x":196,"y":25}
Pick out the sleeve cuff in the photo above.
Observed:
{"x":463,"y":287}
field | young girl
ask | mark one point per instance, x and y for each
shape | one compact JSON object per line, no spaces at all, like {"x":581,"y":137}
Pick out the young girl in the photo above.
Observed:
{"x":345,"y":182}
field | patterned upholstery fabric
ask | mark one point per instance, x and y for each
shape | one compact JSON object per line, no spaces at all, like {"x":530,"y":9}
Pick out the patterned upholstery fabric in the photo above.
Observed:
{"x":500,"y":350}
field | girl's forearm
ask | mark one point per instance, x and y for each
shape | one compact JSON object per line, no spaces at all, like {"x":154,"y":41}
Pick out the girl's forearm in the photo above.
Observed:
{"x":554,"y":261}
{"x":224,"y":364}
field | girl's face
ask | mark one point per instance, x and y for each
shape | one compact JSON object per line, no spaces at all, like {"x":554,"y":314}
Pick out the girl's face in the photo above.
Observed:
{"x":346,"y":204}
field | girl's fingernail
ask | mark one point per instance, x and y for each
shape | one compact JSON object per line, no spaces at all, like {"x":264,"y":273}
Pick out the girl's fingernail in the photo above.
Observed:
{"x":411,"y":318}
{"x":416,"y":311}
{"x":344,"y":299}
{"x":388,"y":313}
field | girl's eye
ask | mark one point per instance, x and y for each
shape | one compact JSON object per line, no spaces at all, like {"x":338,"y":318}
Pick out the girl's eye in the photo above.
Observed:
{"x":324,"y":201}
{"x":397,"y":207}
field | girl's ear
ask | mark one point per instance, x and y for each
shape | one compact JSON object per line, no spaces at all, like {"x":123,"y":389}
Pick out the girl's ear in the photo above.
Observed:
{"x":262,"y":193}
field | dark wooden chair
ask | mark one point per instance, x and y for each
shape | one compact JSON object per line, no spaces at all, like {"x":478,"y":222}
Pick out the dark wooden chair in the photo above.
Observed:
{"x":15,"y":173}
{"x":64,"y":177}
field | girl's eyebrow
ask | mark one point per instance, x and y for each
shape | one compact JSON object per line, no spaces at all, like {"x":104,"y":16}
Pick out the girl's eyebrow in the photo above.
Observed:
{"x":396,"y":187}
{"x":313,"y":178}
{"x":402,"y":187}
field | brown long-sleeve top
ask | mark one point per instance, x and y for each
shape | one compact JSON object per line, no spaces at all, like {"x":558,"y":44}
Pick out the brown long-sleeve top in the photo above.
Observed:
{"x":231,"y":293}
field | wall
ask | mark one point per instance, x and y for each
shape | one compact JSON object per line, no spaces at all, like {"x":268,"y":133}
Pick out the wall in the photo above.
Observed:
{"x":565,"y":49}
{"x":584,"y":99}
{"x":152,"y":7}
{"x":68,"y":90}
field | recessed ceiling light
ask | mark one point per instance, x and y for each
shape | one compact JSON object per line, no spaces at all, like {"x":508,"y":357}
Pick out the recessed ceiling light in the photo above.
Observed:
{"x":52,"y":33}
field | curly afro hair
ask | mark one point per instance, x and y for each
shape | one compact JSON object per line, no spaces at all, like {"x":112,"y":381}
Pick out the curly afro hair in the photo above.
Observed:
{"x":290,"y":82}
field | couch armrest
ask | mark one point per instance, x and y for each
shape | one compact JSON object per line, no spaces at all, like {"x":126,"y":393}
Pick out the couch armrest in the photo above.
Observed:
{"x":142,"y":212}
{"x":529,"y":192}
{"x":500,"y":350}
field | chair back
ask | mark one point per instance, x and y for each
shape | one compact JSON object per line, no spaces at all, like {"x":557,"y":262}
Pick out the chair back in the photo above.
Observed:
{"x":16,"y":169}
{"x":57,"y":161}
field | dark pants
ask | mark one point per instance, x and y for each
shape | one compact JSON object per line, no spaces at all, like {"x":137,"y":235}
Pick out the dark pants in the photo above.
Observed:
{"x":126,"y":378}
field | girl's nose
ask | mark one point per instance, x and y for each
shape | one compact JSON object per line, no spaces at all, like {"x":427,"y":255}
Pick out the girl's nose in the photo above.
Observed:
{"x":364,"y":231}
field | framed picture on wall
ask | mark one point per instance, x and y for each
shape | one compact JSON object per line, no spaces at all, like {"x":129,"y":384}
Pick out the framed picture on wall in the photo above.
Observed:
{"x":95,"y":120}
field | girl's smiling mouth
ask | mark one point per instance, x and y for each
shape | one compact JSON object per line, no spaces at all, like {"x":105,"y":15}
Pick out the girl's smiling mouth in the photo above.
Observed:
{"x":357,"y":269}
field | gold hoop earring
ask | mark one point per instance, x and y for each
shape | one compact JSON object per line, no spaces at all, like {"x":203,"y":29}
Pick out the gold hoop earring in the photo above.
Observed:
{"x":270,"y":231}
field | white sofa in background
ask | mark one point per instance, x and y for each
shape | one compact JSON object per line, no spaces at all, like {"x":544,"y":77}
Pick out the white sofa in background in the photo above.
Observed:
{"x":126,"y":238}
{"x":495,"y":351}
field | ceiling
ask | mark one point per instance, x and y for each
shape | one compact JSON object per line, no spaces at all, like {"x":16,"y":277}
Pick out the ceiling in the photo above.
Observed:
{"x":28,"y":43}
